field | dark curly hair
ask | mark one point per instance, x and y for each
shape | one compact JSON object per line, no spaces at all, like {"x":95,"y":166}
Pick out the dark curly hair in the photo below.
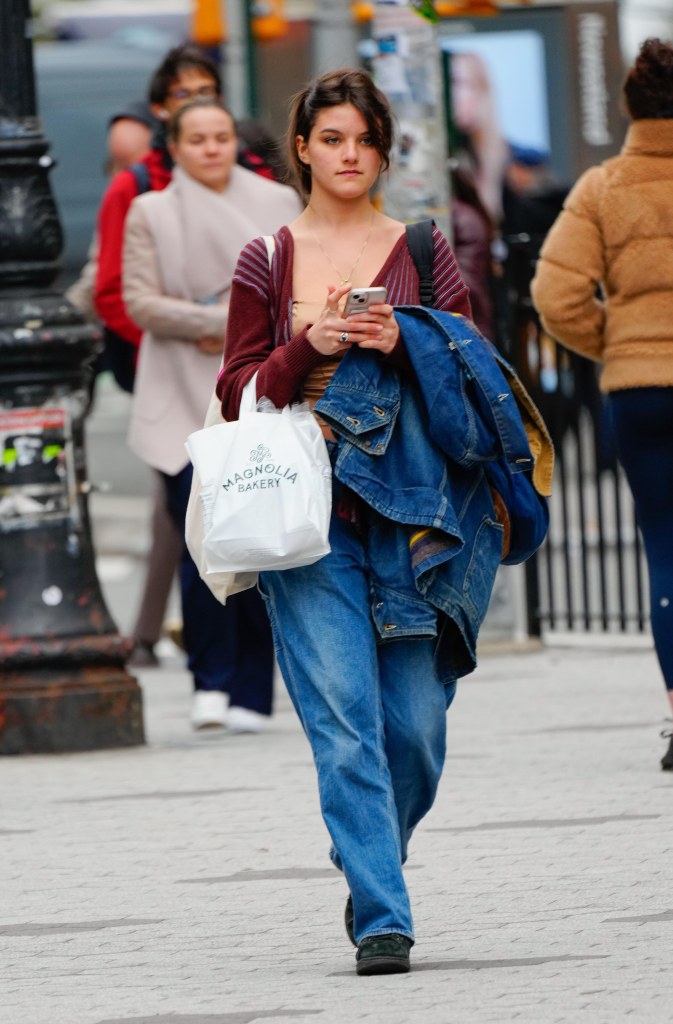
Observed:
{"x":347,"y":85}
{"x":648,"y":89}
{"x":181,"y":58}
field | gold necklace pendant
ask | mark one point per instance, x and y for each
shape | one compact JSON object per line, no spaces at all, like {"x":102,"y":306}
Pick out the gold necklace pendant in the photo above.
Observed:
{"x":349,"y":276}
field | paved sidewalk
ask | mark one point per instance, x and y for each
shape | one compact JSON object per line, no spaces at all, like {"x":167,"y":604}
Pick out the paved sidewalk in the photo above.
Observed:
{"x":187,"y":882}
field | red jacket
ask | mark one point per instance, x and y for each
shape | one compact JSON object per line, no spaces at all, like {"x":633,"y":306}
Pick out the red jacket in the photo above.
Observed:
{"x":111,"y":219}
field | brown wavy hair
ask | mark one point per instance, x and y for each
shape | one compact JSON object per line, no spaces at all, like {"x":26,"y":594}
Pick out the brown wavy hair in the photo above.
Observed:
{"x":648,"y":89}
{"x":347,"y":85}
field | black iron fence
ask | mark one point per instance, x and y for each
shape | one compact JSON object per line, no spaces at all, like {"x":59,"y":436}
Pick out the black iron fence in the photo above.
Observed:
{"x":590,"y":575}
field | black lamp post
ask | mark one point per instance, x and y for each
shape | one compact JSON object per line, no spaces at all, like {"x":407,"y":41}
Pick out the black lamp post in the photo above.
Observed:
{"x":63,"y":685}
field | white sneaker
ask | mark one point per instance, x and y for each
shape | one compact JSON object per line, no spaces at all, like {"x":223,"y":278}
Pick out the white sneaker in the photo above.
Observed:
{"x":245,"y":720}
{"x":209,"y":709}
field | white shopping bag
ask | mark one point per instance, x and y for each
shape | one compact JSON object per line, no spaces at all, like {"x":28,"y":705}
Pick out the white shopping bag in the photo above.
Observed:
{"x":265,"y":489}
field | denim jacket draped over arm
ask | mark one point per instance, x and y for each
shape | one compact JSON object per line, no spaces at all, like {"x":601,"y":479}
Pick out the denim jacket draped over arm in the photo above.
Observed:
{"x":418,"y":450}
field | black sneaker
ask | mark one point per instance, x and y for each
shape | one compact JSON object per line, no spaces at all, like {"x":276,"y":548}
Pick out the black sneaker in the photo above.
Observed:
{"x":383,"y":954}
{"x":667,"y":759}
{"x":348,"y":920}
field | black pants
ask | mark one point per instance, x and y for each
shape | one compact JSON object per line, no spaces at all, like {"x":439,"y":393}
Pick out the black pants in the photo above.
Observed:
{"x":643,"y":422}
{"x":229,"y":647}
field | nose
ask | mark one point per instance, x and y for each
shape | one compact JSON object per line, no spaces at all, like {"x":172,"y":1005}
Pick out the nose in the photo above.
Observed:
{"x":350,"y":151}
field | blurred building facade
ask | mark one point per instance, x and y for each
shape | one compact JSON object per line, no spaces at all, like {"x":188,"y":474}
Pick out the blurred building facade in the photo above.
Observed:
{"x":102,"y":52}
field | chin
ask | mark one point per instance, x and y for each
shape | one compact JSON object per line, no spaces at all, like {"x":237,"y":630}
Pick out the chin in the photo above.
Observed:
{"x":214,"y":180}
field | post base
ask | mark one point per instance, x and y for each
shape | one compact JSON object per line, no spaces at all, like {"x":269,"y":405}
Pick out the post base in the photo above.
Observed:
{"x":47,"y":711}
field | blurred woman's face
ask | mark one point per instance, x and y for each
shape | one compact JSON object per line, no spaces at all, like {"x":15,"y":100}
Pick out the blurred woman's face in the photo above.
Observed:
{"x":206,"y":147}
{"x":469,"y":92}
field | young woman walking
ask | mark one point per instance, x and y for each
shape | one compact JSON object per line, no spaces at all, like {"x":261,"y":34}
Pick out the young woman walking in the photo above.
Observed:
{"x":373,"y":710}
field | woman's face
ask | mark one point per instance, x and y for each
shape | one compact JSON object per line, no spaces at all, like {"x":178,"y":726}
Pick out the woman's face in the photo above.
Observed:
{"x":340,"y":152}
{"x":469,"y":92}
{"x":207,"y":146}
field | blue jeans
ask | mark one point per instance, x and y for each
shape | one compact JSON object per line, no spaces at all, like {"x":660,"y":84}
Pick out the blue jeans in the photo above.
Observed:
{"x":374,"y":714}
{"x":229,"y":647}
{"x":643,"y":423}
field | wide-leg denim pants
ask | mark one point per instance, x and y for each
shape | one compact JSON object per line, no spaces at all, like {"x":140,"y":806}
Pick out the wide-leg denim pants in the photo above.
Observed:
{"x":374,"y":714}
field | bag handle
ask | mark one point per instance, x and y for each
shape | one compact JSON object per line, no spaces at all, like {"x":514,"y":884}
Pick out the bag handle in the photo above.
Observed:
{"x":270,"y":243}
{"x":249,"y":396}
{"x":249,"y":393}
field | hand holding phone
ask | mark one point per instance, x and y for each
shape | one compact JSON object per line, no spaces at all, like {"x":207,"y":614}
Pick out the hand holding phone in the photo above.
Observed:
{"x":359,"y":300}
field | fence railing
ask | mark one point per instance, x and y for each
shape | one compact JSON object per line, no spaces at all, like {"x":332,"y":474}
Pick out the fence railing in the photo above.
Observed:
{"x":590,"y":575}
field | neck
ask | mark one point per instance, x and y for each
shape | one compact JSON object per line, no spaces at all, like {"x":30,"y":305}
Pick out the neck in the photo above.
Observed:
{"x":334,"y":213}
{"x":213,"y":186}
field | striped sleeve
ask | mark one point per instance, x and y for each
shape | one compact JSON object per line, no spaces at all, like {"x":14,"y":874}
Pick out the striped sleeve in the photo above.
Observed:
{"x":252,"y":269}
{"x":451,"y":292}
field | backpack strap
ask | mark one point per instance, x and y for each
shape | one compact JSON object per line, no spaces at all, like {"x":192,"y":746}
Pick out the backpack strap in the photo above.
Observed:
{"x":141,"y":174}
{"x":422,"y":249}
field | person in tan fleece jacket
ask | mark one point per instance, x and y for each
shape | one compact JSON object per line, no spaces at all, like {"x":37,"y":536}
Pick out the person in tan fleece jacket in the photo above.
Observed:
{"x":604,"y":288}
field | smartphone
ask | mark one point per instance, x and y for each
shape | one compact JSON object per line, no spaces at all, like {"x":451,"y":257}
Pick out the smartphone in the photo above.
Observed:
{"x":359,"y":300}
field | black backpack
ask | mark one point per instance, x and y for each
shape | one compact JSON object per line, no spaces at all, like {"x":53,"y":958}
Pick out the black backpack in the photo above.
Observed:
{"x":422,"y":249}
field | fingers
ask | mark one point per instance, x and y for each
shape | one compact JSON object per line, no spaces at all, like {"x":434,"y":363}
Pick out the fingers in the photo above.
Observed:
{"x":334,"y":297}
{"x":382,"y":335}
{"x":380,"y":313}
{"x":373,"y":328}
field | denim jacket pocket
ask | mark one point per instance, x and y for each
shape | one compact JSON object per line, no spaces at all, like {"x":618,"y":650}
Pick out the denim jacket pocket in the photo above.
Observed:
{"x":483,"y":564}
{"x":364,"y":419}
{"x":397,"y":614}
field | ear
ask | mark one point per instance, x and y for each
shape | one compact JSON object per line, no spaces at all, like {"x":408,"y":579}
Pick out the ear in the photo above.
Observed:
{"x":160,"y":112}
{"x":302,"y":149}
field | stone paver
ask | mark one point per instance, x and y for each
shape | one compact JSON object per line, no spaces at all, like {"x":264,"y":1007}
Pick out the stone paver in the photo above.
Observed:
{"x":187,"y":882}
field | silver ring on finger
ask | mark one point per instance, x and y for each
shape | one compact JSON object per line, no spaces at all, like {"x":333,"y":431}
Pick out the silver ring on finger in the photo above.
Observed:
{"x":343,"y":337}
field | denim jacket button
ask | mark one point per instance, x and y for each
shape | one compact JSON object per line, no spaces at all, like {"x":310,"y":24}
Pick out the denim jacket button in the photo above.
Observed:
{"x":379,"y":411}
{"x":368,"y":443}
{"x":353,"y":420}
{"x":389,"y":626}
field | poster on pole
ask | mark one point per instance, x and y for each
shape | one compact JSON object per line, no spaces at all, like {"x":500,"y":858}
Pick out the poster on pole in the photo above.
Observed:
{"x":37,"y":481}
{"x":405,"y":62}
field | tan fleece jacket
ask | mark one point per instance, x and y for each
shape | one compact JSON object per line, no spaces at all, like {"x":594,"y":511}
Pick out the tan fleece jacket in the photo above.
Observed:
{"x":616,"y":232}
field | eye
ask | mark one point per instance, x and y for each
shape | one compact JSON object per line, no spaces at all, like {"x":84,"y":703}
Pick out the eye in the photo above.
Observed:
{"x":331,"y":139}
{"x":367,"y":140}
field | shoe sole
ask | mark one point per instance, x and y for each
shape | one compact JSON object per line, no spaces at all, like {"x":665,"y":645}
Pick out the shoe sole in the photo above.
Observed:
{"x":382,"y":965}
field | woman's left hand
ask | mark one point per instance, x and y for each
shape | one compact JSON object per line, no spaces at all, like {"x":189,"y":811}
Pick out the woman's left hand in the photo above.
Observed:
{"x":209,"y":345}
{"x":383,"y":315}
